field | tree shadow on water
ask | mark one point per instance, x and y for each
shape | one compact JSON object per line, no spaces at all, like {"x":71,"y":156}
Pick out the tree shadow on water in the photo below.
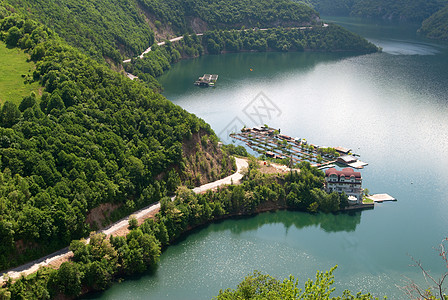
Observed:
{"x":344,"y":221}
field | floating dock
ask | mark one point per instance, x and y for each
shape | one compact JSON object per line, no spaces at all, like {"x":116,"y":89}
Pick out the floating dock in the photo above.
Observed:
{"x":206,"y":80}
{"x":358,"y":164}
{"x":381,"y":198}
{"x":351,"y":161}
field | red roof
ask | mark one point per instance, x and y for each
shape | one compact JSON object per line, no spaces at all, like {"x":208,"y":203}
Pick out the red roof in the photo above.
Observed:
{"x":347,"y":172}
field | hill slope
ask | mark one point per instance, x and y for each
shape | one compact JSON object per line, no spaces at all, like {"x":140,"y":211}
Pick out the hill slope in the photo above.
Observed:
{"x":94,"y":137}
{"x":14,"y":73}
{"x":108,"y":28}
{"x":436,"y":26}
{"x":407,"y":10}
{"x":103,"y":28}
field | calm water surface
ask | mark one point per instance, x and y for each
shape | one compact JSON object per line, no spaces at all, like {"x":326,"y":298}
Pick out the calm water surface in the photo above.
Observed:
{"x":390,"y":107}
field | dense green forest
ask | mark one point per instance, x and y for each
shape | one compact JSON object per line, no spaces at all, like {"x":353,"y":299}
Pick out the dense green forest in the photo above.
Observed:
{"x":96,"y":265}
{"x":112,"y":28}
{"x":222,"y":14}
{"x":331,"y":38}
{"x":406,"y":10}
{"x":436,"y":26}
{"x":93,"y":137}
{"x":105,"y":28}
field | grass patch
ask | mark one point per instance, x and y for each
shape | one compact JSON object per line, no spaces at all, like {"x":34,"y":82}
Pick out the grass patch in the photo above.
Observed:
{"x":13,"y":64}
{"x":366,"y":200}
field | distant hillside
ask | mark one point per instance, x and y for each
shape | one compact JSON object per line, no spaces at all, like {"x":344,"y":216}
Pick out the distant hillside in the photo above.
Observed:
{"x":436,"y":26}
{"x":201,"y":15}
{"x":406,"y":10}
{"x":111,"y":28}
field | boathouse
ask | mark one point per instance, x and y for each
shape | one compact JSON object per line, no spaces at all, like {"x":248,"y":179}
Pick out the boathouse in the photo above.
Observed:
{"x":342,"y":150}
{"x":346,"y":159}
{"x":347,"y":181}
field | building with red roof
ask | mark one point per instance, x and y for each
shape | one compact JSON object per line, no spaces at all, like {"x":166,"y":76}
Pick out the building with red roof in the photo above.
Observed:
{"x":346,"y":180}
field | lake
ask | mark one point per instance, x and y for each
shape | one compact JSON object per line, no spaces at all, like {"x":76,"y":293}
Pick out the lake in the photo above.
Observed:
{"x":391,"y":108}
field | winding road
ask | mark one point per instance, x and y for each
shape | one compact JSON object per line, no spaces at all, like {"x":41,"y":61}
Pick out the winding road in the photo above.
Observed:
{"x":199,"y":34}
{"x":33,"y":266}
{"x":159,"y":44}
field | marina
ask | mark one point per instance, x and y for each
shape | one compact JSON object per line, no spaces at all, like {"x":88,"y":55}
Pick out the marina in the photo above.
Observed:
{"x":270,"y":143}
{"x":289,"y":151}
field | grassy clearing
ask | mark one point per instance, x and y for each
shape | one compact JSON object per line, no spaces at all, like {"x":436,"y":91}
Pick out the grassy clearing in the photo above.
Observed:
{"x":13,"y":64}
{"x":366,"y":200}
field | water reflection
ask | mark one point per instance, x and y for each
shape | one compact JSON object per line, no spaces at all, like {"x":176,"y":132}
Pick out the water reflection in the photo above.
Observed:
{"x":265,"y":65}
{"x":397,"y":47}
{"x":341,"y":222}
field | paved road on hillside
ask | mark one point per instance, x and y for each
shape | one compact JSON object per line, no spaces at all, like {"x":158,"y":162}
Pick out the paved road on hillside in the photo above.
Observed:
{"x":33,"y":266}
{"x":159,"y":44}
{"x":199,"y":34}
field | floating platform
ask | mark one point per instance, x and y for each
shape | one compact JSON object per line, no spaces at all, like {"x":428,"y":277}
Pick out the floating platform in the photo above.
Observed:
{"x":351,"y":161}
{"x":381,"y":197}
{"x":358,"y":164}
{"x":207,"y":80}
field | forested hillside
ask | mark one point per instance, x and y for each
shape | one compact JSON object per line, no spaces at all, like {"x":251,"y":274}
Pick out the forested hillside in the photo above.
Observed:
{"x":111,"y":28}
{"x":93,"y":138}
{"x":406,"y":10}
{"x":224,"y":14}
{"x":96,"y":265}
{"x":436,"y":26}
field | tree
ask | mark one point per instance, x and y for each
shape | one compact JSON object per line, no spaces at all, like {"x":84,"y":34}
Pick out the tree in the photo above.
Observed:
{"x":55,"y":102}
{"x":98,"y":275}
{"x":262,"y":286}
{"x":437,"y":290}
{"x":66,"y":280}
{"x":9,"y":114}
{"x":13,"y":36}
{"x":173,"y":181}
{"x":27,"y":102}
{"x":80,"y":250}
{"x":133,"y":223}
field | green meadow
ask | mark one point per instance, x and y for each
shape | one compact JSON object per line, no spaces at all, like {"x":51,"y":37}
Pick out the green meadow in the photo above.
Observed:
{"x":13,"y":64}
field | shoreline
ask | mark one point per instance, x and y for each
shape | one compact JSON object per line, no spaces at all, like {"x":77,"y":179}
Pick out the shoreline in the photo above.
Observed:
{"x":234,"y":216}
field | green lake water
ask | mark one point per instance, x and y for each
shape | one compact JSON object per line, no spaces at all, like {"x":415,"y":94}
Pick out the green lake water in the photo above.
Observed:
{"x":391,"y":108}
